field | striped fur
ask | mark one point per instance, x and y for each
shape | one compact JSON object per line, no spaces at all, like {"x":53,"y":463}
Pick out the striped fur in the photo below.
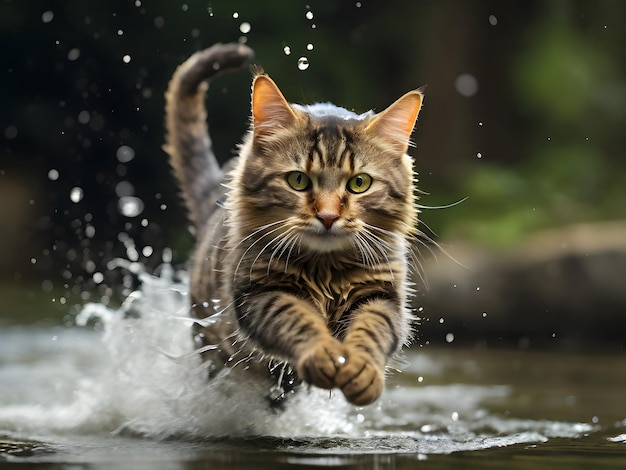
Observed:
{"x":297,"y":285}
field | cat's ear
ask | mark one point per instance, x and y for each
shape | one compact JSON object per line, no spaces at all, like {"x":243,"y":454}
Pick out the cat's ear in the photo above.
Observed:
{"x":395,"y":124}
{"x":270,"y":109}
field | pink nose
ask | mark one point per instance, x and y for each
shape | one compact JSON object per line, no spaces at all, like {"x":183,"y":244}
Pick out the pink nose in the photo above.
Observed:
{"x":327,"y":218}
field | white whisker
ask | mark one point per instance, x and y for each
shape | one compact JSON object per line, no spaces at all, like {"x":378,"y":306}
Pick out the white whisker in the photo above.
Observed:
{"x":257,"y":231}
{"x":280,"y":239}
{"x":253,"y":244}
{"x":447,"y":206}
{"x":283,"y":241}
{"x":296,"y":238}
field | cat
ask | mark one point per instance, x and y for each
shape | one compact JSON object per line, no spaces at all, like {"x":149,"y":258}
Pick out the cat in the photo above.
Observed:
{"x":301,"y":268}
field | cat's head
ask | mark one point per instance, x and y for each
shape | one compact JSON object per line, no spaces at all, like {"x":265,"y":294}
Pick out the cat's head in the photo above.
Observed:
{"x":324,"y":175}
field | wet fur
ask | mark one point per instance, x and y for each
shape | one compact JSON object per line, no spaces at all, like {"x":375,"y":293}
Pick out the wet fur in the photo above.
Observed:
{"x":296,"y":285}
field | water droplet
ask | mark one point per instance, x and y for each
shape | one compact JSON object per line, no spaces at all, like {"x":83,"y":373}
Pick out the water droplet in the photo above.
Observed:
{"x":479,"y":155}
{"x":120,"y":32}
{"x":309,"y":47}
{"x":47,"y":16}
{"x":245,"y":27}
{"x":341,"y":360}
{"x":166,"y":256}
{"x":358,"y":4}
{"x":126,"y":59}
{"x":466,"y":84}
{"x":235,"y":15}
{"x":98,"y":277}
{"x":90,"y":231}
{"x":455,"y":416}
{"x":449,"y":337}
{"x":73,"y":54}
{"x":441,"y":320}
{"x":53,"y":175}
{"x":125,"y":154}
{"x":309,"y":15}
{"x":147,"y":251}
{"x":493,"y":20}
{"x":10,"y":132}
{"x":130,"y":206}
{"x":303,"y":63}
{"x":90,"y":266}
{"x":159,"y":22}
{"x":84,"y":117}
{"x":76,"y":194}
{"x":484,"y":314}
{"x":124,"y":188}
{"x":287,"y":50}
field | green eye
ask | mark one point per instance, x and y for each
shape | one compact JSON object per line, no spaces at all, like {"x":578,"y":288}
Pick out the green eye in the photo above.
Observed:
{"x":298,"y":180}
{"x":359,"y":183}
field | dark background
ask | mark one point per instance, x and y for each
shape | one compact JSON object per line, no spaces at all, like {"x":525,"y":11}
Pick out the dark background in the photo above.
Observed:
{"x":524,"y":115}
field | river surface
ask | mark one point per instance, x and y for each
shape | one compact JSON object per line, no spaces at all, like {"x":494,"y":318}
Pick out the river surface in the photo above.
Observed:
{"x":123,"y":387}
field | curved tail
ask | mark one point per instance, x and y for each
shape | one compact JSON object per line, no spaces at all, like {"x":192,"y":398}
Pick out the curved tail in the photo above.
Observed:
{"x":187,"y":142}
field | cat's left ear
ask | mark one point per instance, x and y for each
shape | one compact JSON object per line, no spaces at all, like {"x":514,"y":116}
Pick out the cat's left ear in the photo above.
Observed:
{"x":270,"y":109}
{"x":395,"y":124}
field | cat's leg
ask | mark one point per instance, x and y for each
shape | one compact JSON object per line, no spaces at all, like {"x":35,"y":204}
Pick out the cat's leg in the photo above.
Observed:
{"x":289,"y":327}
{"x":292,"y":328}
{"x":371,"y":339}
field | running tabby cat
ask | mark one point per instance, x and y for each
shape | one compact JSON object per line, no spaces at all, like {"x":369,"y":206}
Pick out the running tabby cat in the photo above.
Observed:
{"x":302,"y":247}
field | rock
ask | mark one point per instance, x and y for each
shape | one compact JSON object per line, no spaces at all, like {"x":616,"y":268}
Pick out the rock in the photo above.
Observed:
{"x":563,"y":287}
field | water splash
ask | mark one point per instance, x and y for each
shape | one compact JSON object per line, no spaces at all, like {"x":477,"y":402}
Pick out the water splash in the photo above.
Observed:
{"x":133,"y":371}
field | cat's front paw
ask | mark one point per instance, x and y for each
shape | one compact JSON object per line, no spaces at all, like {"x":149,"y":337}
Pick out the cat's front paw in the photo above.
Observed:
{"x":329,"y":364}
{"x":360,"y":379}
{"x":320,"y":364}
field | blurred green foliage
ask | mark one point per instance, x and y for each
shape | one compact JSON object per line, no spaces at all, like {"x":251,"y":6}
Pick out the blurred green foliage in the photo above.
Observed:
{"x":568,"y":84}
{"x":547,"y":118}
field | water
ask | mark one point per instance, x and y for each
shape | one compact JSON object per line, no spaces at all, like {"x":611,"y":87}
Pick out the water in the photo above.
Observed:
{"x":125,"y":385}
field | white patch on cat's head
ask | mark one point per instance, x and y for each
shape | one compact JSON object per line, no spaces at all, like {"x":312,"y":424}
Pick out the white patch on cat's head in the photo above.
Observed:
{"x":329,"y":109}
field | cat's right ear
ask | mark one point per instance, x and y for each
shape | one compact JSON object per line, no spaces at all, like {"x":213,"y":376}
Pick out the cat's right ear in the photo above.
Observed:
{"x":270,"y":109}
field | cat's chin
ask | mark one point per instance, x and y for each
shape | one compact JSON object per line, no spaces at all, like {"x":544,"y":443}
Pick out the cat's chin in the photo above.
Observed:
{"x":327,"y":242}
